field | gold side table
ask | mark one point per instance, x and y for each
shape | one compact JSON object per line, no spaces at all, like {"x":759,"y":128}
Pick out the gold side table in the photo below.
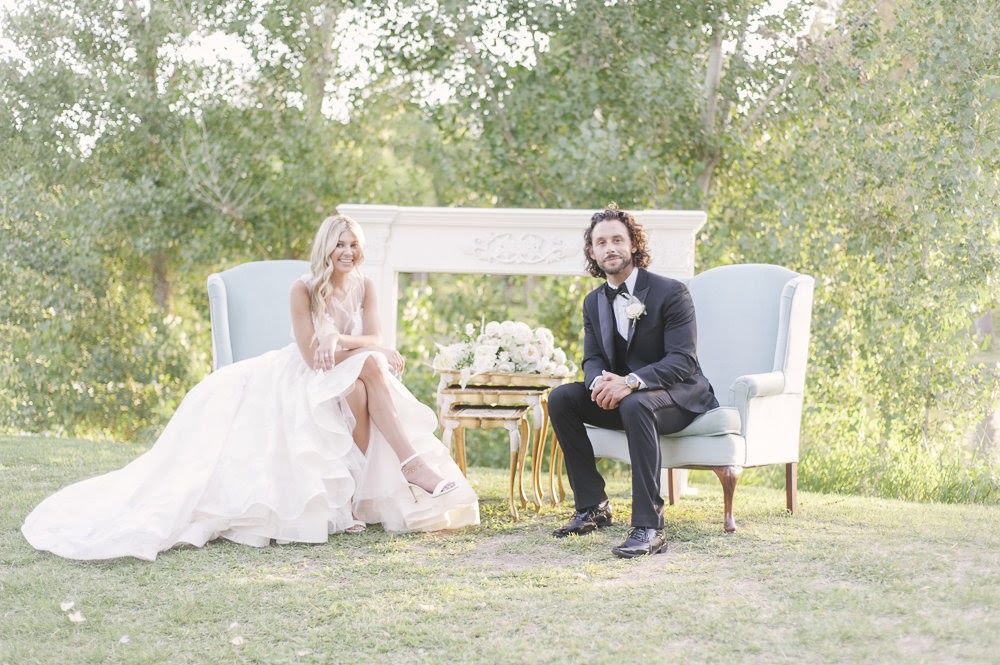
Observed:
{"x":497,"y":392}
{"x":513,"y":419}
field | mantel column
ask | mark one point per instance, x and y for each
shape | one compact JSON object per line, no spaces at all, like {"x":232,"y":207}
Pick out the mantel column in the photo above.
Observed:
{"x":376,"y":223}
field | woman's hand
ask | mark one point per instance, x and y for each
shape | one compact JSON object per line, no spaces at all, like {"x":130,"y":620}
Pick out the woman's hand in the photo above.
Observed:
{"x":396,"y":361}
{"x":323,"y":359}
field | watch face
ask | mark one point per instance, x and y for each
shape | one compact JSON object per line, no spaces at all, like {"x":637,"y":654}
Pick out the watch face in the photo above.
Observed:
{"x":632,"y":381}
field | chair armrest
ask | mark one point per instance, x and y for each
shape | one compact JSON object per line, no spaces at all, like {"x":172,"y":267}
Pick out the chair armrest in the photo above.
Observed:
{"x":756,"y":385}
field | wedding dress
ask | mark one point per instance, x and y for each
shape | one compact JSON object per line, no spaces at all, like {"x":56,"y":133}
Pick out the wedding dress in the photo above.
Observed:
{"x":260,"y":450}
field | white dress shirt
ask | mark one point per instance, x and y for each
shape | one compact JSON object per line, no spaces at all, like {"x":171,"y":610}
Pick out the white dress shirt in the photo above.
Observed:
{"x":621,"y":319}
{"x":620,"y":303}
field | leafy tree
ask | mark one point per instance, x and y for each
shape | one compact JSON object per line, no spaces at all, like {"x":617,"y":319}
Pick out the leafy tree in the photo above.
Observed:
{"x":152,"y":166}
{"x":575,"y":104}
{"x":880,"y":179}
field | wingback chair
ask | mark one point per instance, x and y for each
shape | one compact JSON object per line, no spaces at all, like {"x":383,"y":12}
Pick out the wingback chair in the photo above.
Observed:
{"x":753,"y":338}
{"x":249,"y":309}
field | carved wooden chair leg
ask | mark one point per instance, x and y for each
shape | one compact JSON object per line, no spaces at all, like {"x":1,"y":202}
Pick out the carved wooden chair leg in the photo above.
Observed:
{"x":728,"y":476}
{"x":671,"y":485}
{"x":792,"y":486}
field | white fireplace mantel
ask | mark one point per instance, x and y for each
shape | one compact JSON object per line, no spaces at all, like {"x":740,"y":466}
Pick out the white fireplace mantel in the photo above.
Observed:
{"x":511,"y":241}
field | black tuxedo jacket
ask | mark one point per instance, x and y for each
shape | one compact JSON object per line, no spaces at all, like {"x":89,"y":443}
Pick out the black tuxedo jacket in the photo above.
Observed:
{"x":661,"y":343}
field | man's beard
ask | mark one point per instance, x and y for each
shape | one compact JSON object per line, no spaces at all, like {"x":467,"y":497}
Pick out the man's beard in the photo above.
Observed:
{"x":625,"y":263}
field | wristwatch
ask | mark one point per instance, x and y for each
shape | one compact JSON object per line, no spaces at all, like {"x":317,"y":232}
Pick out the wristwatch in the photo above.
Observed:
{"x":632,"y":381}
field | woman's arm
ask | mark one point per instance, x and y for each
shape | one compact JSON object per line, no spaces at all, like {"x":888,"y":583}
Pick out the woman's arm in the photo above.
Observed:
{"x":302,"y":323}
{"x":371,"y":333}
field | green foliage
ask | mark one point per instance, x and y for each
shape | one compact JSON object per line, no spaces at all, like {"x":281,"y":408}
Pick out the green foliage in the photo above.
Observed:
{"x":131,"y":174}
{"x":578,"y":104}
{"x":84,"y":351}
{"x":881,"y":181}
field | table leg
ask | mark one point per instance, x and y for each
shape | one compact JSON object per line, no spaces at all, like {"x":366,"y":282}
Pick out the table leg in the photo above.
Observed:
{"x":510,"y":485}
{"x":537,"y":448}
{"x":555,"y":469}
{"x":555,"y":473}
{"x":559,"y":476}
{"x":538,"y":452}
{"x":525,"y":431}
{"x":460,"y":449}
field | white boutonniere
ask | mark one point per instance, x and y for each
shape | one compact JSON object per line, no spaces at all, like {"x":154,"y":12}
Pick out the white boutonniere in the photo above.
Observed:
{"x":635,"y":308}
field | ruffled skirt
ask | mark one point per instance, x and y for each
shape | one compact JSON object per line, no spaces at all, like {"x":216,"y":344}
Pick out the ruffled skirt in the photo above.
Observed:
{"x":260,"y":450}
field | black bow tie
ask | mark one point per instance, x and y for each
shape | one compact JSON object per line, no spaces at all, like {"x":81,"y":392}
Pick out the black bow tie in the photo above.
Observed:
{"x":613,"y":293}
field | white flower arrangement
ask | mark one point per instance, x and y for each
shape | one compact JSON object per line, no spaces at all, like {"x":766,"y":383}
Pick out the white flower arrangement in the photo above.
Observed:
{"x":508,"y":347}
{"x":635,"y":308}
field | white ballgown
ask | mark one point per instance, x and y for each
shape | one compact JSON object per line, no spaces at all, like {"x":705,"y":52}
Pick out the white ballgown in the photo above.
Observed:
{"x":259,"y":450}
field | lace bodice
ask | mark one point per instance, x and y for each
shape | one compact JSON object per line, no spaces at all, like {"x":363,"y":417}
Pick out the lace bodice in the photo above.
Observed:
{"x":344,"y":315}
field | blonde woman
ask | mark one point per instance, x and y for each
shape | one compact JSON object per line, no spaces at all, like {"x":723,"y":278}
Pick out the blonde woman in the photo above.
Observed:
{"x":317,"y":438}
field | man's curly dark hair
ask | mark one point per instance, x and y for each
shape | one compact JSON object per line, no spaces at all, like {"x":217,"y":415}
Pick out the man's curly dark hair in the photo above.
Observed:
{"x":637,"y":234}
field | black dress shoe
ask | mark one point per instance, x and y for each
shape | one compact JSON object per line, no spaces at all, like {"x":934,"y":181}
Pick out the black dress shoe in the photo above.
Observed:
{"x":640,"y":542}
{"x":586,"y":520}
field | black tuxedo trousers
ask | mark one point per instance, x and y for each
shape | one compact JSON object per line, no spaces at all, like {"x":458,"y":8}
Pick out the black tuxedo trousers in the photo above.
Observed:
{"x":644,"y":416}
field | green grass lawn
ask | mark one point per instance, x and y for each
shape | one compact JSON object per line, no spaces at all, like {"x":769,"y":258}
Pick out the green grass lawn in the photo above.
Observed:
{"x":846,"y":579}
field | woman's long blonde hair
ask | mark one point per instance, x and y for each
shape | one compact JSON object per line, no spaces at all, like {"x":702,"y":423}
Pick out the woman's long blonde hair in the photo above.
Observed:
{"x":321,"y":265}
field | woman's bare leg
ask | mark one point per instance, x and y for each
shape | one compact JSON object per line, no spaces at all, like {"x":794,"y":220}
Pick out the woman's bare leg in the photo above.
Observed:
{"x":384,"y":416}
{"x":357,"y":401}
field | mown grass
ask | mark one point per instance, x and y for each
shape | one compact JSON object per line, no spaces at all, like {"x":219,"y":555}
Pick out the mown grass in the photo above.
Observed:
{"x":847,"y":579}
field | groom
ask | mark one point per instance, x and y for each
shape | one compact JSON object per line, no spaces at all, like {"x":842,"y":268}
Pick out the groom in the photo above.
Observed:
{"x":641,"y":375}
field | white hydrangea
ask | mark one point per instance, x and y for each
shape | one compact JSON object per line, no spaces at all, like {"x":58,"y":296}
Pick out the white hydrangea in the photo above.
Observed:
{"x":505,"y":346}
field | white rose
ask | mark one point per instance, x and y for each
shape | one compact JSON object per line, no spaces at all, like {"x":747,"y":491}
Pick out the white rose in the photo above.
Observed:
{"x":484,"y":354}
{"x":559,"y":356}
{"x":531,"y":353}
{"x":492,"y":329}
{"x":483,"y":364}
{"x":635,"y":308}
{"x":544,"y":336}
{"x":448,"y":356}
{"x":517,"y":355}
{"x":507,"y":328}
{"x":470,"y":329}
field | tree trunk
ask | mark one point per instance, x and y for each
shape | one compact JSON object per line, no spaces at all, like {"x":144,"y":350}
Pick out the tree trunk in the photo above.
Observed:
{"x":161,"y":282}
{"x":318,"y":67}
{"x":709,"y":113}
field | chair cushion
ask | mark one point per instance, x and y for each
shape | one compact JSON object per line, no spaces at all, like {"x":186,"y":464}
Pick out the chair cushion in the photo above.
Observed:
{"x":722,"y":420}
{"x":676,"y":452}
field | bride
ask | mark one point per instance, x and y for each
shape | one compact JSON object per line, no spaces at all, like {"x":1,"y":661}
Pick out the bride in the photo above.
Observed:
{"x":316,"y":438}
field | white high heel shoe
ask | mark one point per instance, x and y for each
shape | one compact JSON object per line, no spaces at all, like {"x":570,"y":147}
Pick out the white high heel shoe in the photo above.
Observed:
{"x":443,"y":487}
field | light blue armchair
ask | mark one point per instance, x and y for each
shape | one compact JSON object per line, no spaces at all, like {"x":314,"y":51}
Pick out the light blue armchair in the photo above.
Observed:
{"x":753,"y":339}
{"x":250,"y":310}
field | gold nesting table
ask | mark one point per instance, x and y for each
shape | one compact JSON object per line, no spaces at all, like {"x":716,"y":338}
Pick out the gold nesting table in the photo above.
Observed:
{"x":515,"y":402}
